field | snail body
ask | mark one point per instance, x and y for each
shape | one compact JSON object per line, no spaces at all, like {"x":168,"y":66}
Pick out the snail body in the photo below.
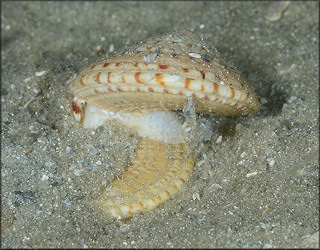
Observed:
{"x":139,"y":87}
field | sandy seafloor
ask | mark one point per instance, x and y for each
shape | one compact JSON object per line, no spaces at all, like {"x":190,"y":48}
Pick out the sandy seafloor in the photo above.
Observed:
{"x":258,"y":187}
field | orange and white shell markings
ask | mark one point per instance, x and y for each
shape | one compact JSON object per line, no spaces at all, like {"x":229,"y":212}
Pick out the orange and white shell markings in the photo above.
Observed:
{"x":139,"y":87}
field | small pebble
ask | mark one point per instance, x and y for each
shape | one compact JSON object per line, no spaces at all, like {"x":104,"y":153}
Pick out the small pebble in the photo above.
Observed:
{"x":111,"y":48}
{"x":151,"y":57}
{"x":241,"y":162}
{"x":67,"y":202}
{"x":188,"y":129}
{"x":243,"y":154}
{"x":276,"y":10}
{"x":251,"y":174}
{"x":292,"y":99}
{"x":48,"y":164}
{"x":194,"y":55}
{"x":27,"y":151}
{"x":40,"y":73}
{"x":99,"y":47}
{"x":200,"y":162}
{"x":33,"y":130}
{"x":267,"y":246}
{"x":219,"y":140}
{"x":269,"y":151}
{"x":266,"y":226}
{"x":196,"y":196}
{"x":214,"y":186}
{"x":263,"y":101}
{"x":44,"y":177}
{"x":27,"y":80}
{"x":124,"y":228}
{"x":270,"y":161}
{"x":92,"y":150}
{"x":9,"y":202}
{"x":16,"y":170}
{"x":69,"y":150}
{"x":77,"y":172}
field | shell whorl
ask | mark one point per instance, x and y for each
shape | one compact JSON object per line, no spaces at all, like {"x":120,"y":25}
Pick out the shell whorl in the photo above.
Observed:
{"x":160,"y":73}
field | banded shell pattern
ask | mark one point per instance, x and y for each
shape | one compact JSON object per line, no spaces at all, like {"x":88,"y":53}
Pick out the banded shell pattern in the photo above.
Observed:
{"x":158,"y":75}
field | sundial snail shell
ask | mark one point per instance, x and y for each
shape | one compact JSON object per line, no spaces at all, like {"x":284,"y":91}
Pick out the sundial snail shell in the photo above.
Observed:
{"x":139,"y":87}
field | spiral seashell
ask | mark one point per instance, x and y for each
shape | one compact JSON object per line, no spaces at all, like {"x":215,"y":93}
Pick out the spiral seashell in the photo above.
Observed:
{"x":139,"y":87}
